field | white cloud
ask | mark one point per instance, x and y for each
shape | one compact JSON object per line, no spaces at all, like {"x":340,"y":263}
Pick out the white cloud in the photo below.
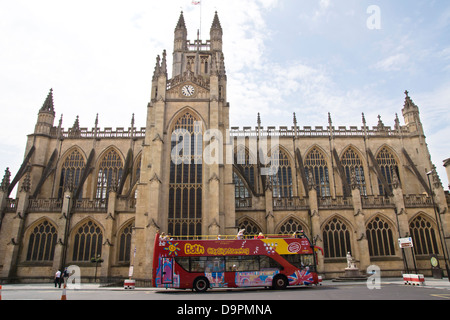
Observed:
{"x":396,"y":62}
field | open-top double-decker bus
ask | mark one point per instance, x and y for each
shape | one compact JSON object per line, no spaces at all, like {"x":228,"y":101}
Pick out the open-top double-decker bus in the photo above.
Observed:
{"x":199,"y":264}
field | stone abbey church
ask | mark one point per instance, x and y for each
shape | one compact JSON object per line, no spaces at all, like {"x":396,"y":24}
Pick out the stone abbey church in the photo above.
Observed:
{"x":84,"y":193}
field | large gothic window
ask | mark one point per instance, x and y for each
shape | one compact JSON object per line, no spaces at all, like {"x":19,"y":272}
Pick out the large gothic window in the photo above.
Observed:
{"x":353,"y":165}
{"x":336,"y":239}
{"x":87,"y":242}
{"x":380,"y":238}
{"x":137,"y":169}
{"x":71,"y":172}
{"x":125,"y":243}
{"x":316,"y":167}
{"x":251,"y":228}
{"x":110,"y":172}
{"x":388,"y":166}
{"x":41,"y":246}
{"x":241,"y":194}
{"x":247,"y":164}
{"x":186,"y":174}
{"x":290,"y":226}
{"x":282,"y":180}
{"x":425,"y":237}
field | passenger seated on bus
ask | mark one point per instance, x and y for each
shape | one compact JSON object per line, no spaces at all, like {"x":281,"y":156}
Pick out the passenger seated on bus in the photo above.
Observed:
{"x":240,"y":234}
{"x":163,"y":237}
{"x":218,"y":237}
{"x":298,"y":234}
{"x":260,"y":236}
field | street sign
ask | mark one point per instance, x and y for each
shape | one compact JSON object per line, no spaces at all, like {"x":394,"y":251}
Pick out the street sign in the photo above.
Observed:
{"x":405,"y":243}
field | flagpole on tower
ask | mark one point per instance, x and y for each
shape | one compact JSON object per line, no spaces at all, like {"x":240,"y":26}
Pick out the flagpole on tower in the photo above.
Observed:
{"x":196,"y":3}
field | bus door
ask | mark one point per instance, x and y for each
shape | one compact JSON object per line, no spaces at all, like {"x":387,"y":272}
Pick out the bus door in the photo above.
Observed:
{"x":166,"y":270}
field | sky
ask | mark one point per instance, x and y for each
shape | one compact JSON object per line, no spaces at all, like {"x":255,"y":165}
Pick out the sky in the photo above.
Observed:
{"x":311,"y":57}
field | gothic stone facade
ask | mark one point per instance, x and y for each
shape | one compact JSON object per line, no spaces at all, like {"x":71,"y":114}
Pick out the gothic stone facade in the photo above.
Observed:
{"x":102,"y":192}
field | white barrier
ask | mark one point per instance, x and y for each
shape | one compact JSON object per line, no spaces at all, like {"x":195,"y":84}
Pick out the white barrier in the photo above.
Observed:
{"x":129,"y":284}
{"x":414,"y":279}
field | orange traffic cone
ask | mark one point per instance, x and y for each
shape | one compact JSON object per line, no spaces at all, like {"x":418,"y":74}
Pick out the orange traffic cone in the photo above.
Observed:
{"x":64,"y":296}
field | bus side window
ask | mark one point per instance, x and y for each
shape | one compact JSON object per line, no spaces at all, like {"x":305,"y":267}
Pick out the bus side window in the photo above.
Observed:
{"x":183,"y":262}
{"x":266,"y":262}
{"x":215,"y":264}
{"x":198,"y":264}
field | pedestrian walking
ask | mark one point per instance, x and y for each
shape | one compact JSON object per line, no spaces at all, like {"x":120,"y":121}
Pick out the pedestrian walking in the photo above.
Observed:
{"x":58,"y":278}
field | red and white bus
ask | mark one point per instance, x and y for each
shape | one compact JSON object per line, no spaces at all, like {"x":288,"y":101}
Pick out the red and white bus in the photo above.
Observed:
{"x":275,"y":262}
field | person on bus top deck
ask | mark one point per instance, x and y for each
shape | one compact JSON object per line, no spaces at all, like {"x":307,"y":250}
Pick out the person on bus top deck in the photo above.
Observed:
{"x":240,"y":234}
{"x":260,"y":236}
{"x":298,"y":234}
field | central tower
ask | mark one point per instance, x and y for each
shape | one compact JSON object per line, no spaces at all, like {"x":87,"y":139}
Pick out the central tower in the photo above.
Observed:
{"x":186,"y":187}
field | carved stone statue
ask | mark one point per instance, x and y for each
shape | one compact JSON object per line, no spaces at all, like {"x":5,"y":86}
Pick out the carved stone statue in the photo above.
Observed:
{"x":350,"y":262}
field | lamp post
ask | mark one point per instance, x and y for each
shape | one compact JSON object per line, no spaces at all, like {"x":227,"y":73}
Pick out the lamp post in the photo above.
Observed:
{"x":96,"y":260}
{"x":440,"y":226}
{"x":66,"y":235}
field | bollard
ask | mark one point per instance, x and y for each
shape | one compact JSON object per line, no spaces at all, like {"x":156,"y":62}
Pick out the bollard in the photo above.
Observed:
{"x":0,"y":292}
{"x":64,"y":296}
{"x":130,"y":284}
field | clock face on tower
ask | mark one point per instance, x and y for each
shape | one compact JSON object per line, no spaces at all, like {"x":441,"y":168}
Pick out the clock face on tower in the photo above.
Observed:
{"x":188,"y":90}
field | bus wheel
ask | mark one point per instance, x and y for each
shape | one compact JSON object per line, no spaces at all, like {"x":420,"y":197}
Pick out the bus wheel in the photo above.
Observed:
{"x":201,"y":284}
{"x":279,"y":283}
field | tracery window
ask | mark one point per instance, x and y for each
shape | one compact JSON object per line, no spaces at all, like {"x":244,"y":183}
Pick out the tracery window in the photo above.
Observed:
{"x":425,"y":237}
{"x":290,"y":226}
{"x":380,"y":238}
{"x":248,"y":165}
{"x":336,"y":239}
{"x":42,"y":242}
{"x":137,"y":174}
{"x":87,"y":242}
{"x":125,"y":243}
{"x":352,"y":163}
{"x":186,"y":174}
{"x":241,"y":194}
{"x":388,"y":165}
{"x":316,"y":164}
{"x":250,"y":227}
{"x":110,"y":171}
{"x":71,"y":172}
{"x":282,"y":180}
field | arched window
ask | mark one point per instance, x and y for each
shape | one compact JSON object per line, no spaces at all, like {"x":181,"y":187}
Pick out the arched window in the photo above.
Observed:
{"x":388,"y":165}
{"x":248,"y":166}
{"x":424,"y":236}
{"x":41,"y":246}
{"x":186,"y":174}
{"x":71,"y":172}
{"x":137,"y":169}
{"x":125,"y":243}
{"x":316,"y":164}
{"x":290,"y":226}
{"x":137,"y":174}
{"x":352,"y":163}
{"x":250,"y":227}
{"x":336,"y":239}
{"x":241,"y":194}
{"x":110,"y":171}
{"x":87,"y":242}
{"x":380,"y":238}
{"x":282,"y":180}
